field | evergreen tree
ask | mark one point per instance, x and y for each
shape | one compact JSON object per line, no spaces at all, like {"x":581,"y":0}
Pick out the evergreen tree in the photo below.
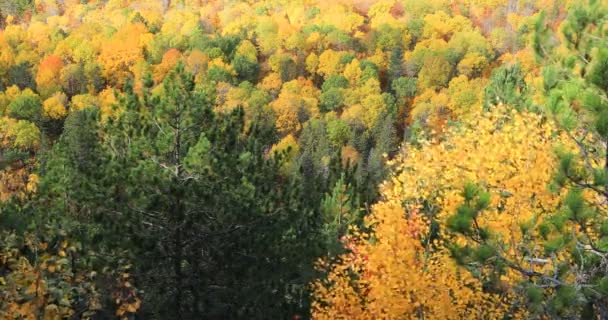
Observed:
{"x":340,"y":209}
{"x":507,"y":86}
{"x":395,"y":66}
{"x":217,"y":229}
{"x":212,"y":228}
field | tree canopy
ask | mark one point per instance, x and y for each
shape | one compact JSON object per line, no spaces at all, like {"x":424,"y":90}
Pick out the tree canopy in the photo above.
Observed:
{"x":395,"y":159}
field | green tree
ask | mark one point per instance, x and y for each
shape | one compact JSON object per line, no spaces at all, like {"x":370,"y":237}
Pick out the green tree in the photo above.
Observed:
{"x":395,"y":65}
{"x":26,"y":106}
{"x":245,"y":62}
{"x":212,"y":227}
{"x":21,"y":76}
{"x":507,"y":86}
{"x":405,"y":88}
{"x":436,"y":72}
{"x":340,"y":209}
{"x":331,"y":99}
{"x":247,"y":69}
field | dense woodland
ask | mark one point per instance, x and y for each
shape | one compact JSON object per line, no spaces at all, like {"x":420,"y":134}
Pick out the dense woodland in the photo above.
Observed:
{"x":303,"y":159}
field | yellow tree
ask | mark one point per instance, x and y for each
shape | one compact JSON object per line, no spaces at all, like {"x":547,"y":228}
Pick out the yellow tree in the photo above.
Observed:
{"x":289,"y":147}
{"x":390,"y":275}
{"x":271,"y":83}
{"x":329,"y":63}
{"x":51,"y":282}
{"x":364,"y":103}
{"x":7,"y":58}
{"x":297,"y":102}
{"x":430,"y":108}
{"x":401,"y":269}
{"x":441,"y":25}
{"x":40,"y":289}
{"x":312,"y":63}
{"x":510,"y":152}
{"x":82,"y":101}
{"x":121,"y":52}
{"x":353,"y":72}
{"x":55,"y":106}
{"x":267,"y":32}
{"x":472,"y":65}
{"x":465,"y":95}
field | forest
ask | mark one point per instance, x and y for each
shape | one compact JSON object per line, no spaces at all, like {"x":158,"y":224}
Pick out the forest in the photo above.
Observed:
{"x":303,"y":159}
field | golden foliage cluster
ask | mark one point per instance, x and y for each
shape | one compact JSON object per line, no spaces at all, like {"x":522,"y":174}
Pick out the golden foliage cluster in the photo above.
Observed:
{"x":396,"y":271}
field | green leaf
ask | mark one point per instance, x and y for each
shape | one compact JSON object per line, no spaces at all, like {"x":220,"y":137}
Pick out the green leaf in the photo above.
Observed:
{"x":600,"y":176}
{"x":598,"y":73}
{"x":602,"y":285}
{"x":460,"y":223}
{"x":483,"y":201}
{"x":604,"y":228}
{"x":575,"y":203}
{"x":592,"y":101}
{"x":601,"y":124}
{"x":470,"y":191}
{"x":534,"y":294}
{"x":484,"y":252}
{"x":554,"y":245}
{"x":27,"y":135}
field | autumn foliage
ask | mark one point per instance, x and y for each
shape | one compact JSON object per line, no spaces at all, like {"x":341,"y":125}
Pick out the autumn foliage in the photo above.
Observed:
{"x":402,"y":267}
{"x":48,"y":74}
{"x":390,"y":159}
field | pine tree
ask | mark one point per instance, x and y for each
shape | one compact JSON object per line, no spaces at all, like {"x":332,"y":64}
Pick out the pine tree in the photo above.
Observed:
{"x":562,"y":257}
{"x":188,"y":196}
{"x":507,"y":86}
{"x":395,"y":66}
{"x":340,"y":210}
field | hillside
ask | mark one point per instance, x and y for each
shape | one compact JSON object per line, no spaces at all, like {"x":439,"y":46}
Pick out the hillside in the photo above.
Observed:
{"x":391,"y":159}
